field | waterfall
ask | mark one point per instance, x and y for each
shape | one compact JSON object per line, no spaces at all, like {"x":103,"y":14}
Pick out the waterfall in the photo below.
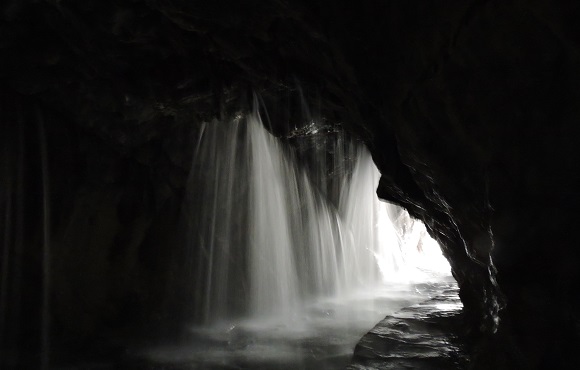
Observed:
{"x":268,"y":235}
{"x":274,"y":197}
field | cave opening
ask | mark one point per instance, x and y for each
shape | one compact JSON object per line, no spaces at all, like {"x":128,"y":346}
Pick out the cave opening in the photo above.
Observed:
{"x":289,"y":256}
{"x":284,"y":257}
{"x":469,"y":109}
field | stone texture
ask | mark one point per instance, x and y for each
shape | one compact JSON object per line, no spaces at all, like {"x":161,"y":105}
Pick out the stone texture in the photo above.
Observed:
{"x":469,"y":108}
{"x":423,"y":336}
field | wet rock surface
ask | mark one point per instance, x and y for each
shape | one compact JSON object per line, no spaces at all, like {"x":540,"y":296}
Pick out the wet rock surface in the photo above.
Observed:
{"x":321,"y":337}
{"x":423,"y":336}
{"x":469,"y":108}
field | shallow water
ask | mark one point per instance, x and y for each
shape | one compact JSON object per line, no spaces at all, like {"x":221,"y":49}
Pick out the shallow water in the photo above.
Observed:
{"x":278,"y":273}
{"x":321,"y":336}
{"x":424,"y":336}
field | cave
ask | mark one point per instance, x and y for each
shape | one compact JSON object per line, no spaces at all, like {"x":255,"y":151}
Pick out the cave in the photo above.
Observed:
{"x":467,"y":109}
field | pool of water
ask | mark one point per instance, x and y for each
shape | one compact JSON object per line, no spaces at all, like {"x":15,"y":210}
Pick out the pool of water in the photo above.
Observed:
{"x":322,"y":335}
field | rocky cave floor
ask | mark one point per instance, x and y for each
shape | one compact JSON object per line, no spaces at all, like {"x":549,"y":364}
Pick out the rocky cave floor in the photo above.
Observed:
{"x":423,"y":336}
{"x":426,"y":335}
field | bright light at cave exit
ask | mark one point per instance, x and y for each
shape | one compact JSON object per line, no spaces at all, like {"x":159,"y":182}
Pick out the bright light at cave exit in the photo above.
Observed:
{"x":259,"y":205}
{"x":405,"y":251}
{"x":400,"y":246}
{"x":316,"y":275}
{"x":420,"y":255}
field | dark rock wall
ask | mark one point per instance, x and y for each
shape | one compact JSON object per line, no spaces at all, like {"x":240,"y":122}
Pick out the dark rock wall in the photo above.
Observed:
{"x":469,"y":108}
{"x":481,"y":101}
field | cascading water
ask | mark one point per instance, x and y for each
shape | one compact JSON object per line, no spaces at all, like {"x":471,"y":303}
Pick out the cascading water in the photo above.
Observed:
{"x":273,"y":198}
{"x":400,"y":249}
{"x":269,"y":240}
{"x":283,"y":256}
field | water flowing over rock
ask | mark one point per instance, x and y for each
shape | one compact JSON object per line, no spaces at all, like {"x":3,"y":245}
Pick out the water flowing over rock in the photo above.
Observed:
{"x":266,"y":239}
{"x":468,"y":109}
